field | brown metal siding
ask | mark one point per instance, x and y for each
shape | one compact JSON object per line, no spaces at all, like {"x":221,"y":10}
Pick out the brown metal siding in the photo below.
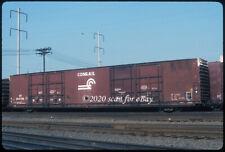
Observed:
{"x":82,"y":85}
{"x":55,"y":88}
{"x":179,"y":78}
{"x":216,"y":81}
{"x":166,"y":82}
{"x":59,"y":89}
{"x":45,"y":89}
{"x":149,"y":82}
{"x":196,"y":81}
{"x":19,"y":91}
{"x":122,"y":82}
{"x":36,"y":89}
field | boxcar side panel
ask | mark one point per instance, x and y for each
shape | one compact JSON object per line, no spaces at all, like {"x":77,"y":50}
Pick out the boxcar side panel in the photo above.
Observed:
{"x":122,"y":81}
{"x":149,"y":82}
{"x":216,"y":81}
{"x":36,"y":89}
{"x":18,"y":91}
{"x":196,"y":90}
{"x":82,"y":87}
{"x":55,"y":86}
{"x":178,"y":82}
{"x":46,"y":89}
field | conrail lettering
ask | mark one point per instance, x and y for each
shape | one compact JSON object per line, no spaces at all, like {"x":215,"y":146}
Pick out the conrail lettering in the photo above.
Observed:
{"x":82,"y":74}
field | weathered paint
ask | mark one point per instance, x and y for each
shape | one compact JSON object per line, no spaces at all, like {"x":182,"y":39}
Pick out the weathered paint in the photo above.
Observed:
{"x":216,"y":81}
{"x":169,"y":82}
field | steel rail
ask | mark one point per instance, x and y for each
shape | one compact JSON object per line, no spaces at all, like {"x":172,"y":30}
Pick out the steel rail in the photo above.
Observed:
{"x":27,"y":141}
{"x":190,"y":131}
{"x":156,"y":116}
{"x":9,"y":143}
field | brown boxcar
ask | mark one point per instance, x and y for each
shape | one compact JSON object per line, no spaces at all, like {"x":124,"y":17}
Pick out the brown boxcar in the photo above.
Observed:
{"x":167,"y":83}
{"x":161,"y":84}
{"x":71,"y":88}
{"x":216,"y":83}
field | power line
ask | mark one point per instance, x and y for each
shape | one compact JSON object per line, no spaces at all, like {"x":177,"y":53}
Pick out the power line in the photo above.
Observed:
{"x":56,"y":56}
{"x":13,"y":50}
{"x":14,"y":54}
{"x":70,"y":60}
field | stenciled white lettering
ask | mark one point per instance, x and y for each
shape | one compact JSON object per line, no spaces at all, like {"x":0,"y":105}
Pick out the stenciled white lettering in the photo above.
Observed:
{"x":82,"y":74}
{"x":20,"y":98}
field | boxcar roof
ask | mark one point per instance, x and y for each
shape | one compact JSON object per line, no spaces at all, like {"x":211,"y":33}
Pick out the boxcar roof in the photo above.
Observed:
{"x":155,"y":62}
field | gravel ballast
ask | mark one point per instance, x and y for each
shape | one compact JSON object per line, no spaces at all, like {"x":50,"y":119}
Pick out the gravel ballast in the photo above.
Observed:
{"x":184,"y":143}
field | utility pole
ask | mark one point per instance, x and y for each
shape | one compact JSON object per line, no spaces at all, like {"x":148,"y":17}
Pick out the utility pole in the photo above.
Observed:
{"x":18,"y":36}
{"x":43,"y":52}
{"x":99,"y":48}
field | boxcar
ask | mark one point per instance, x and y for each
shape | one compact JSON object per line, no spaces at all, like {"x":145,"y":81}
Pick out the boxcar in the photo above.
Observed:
{"x":216,"y":83}
{"x":177,"y":83}
{"x":5,"y":92}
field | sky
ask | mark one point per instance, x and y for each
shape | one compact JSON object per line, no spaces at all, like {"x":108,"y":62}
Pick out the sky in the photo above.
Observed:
{"x":134,"y":32}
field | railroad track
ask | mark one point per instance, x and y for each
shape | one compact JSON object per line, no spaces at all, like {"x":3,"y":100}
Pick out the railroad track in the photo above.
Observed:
{"x":164,"y":130}
{"x":144,"y":116}
{"x":12,"y":140}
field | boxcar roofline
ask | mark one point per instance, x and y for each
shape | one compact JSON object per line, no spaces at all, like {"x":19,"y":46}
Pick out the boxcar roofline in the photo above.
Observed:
{"x":110,"y":66}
